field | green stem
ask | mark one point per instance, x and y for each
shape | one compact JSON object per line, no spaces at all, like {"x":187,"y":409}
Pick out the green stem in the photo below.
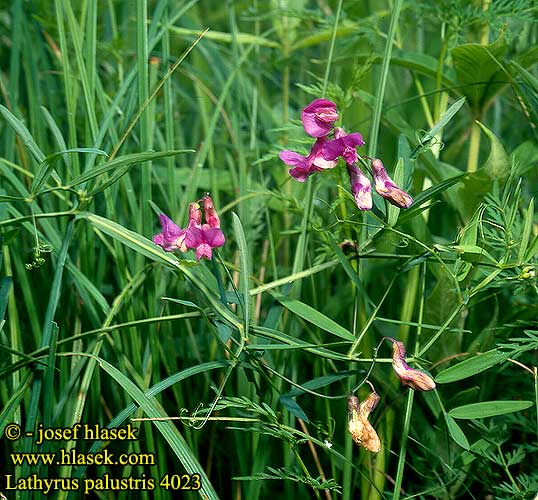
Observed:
{"x":403,"y":446}
{"x":474,"y":148}
{"x":374,"y":132}
{"x":331,"y":48}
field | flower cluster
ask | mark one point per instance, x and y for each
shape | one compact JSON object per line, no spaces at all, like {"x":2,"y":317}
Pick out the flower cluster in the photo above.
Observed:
{"x":200,"y":237}
{"x":360,"y":428}
{"x":318,"y":121}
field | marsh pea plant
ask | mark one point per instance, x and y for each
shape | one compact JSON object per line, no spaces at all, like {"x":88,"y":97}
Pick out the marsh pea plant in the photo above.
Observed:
{"x":292,"y":244}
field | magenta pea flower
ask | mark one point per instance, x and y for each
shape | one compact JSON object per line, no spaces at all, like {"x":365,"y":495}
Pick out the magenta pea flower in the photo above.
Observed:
{"x":202,"y":238}
{"x":172,"y":237}
{"x":343,"y":145}
{"x":360,"y":187}
{"x":318,"y":117}
{"x":386,"y":187}
{"x":416,"y":379}
{"x":305,"y":166}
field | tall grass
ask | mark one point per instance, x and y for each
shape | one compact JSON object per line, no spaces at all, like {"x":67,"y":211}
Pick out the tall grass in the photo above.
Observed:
{"x":238,"y":369}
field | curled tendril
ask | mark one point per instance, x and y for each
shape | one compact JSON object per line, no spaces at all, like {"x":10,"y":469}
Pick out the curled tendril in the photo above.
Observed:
{"x":425,"y":142}
{"x":190,"y":419}
{"x":38,"y":261}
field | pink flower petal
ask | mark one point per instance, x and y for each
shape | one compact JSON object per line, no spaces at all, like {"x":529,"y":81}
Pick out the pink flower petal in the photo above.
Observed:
{"x":292,"y":158}
{"x":214,"y":237}
{"x":386,"y":187}
{"x":313,"y":126}
{"x":203,"y":250}
{"x":300,"y":173}
{"x":169,"y":228}
{"x":353,"y":140}
{"x":360,"y":187}
{"x":332,"y":149}
{"x":193,"y":237}
{"x":318,"y":117}
{"x":169,"y":236}
{"x":316,"y":104}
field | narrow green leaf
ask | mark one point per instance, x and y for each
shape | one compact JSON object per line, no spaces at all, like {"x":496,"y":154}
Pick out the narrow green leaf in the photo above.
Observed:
{"x":533,"y":249}
{"x":23,"y":133}
{"x":5,"y":197}
{"x":47,"y":165}
{"x":471,"y":366}
{"x":220,"y":36}
{"x":289,"y":342}
{"x":430,"y":193}
{"x":489,"y":409}
{"x":12,"y":404}
{"x":456,"y":433}
{"x":525,"y":236}
{"x":319,"y":382}
{"x":393,"y":211}
{"x":244,"y":274}
{"x":5,"y":287}
{"x":125,"y":161}
{"x":131,"y":239}
{"x":447,"y":116}
{"x":313,"y":316}
{"x":293,"y":407}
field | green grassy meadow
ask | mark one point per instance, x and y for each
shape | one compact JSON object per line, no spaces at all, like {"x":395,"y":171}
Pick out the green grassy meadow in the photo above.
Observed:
{"x":230,"y":376}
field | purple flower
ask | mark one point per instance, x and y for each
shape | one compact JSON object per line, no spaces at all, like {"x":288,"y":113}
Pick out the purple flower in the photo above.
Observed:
{"x":360,"y":187}
{"x":305,"y":166}
{"x":343,"y":145}
{"x":318,"y":117}
{"x":385,"y":186}
{"x":200,"y":237}
{"x":416,"y":379}
{"x":172,"y":237}
{"x":203,"y":239}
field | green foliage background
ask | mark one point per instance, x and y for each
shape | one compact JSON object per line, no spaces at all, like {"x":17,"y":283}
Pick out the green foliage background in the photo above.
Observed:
{"x":115,"y":111}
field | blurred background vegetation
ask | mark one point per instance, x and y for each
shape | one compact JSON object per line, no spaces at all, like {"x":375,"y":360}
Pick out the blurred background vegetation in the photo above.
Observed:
{"x":115,"y":111}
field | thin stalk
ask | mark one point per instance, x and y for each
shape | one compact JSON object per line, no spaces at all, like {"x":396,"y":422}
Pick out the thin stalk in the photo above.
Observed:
{"x":535,"y":373}
{"x":331,"y":48}
{"x":173,"y":199}
{"x":376,"y":121}
{"x":403,"y":447}
{"x":14,"y":328}
{"x":142,"y":51}
{"x":409,"y":403}
{"x":70,"y":87}
{"x":474,"y":148}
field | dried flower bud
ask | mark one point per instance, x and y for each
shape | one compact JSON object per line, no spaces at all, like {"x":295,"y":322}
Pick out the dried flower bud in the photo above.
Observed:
{"x":211,"y":216}
{"x":385,"y":186}
{"x":416,"y":379}
{"x":360,"y":428}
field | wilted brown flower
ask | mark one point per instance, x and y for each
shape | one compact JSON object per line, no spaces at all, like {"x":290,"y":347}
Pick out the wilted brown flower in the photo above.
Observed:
{"x":360,"y":428}
{"x":416,"y":379}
